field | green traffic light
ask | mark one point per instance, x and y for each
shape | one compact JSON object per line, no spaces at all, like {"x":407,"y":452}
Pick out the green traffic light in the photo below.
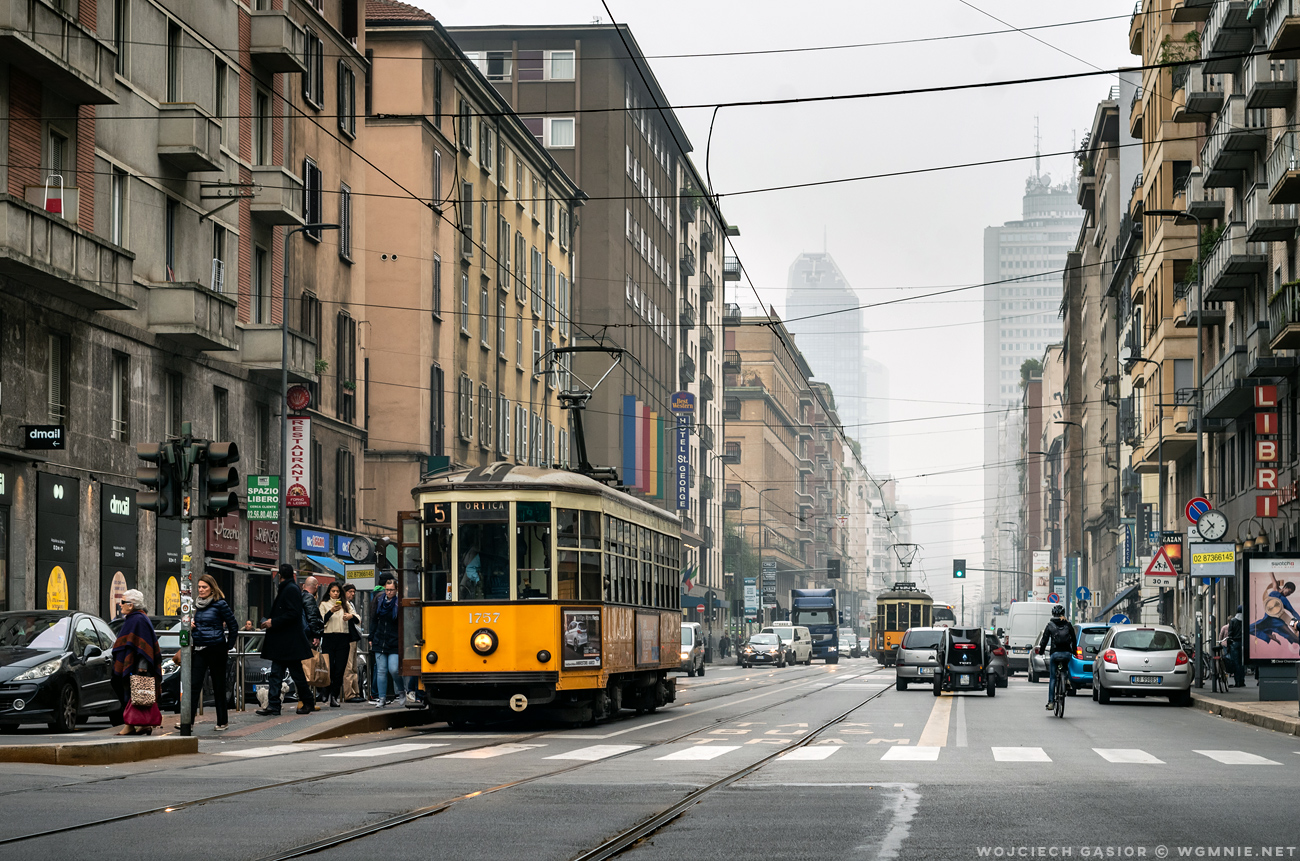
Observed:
{"x":959,"y":569}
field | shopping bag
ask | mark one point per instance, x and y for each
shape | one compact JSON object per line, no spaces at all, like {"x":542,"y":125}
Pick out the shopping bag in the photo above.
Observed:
{"x":137,"y":715}
{"x":317,"y":670}
{"x":143,"y":690}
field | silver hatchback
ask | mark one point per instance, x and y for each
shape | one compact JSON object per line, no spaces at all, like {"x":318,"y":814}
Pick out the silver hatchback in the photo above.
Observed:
{"x":1142,"y":661}
{"x":917,"y":657}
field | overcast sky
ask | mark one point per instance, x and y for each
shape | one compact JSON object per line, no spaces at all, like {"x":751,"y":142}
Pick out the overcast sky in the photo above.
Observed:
{"x":892,"y":237}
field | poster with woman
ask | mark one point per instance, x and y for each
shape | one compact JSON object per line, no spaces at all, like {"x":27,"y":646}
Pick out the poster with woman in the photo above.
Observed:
{"x":1272,"y":624}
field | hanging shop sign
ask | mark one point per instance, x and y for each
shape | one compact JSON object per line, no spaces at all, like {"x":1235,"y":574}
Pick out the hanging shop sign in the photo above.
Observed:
{"x":297,"y":494}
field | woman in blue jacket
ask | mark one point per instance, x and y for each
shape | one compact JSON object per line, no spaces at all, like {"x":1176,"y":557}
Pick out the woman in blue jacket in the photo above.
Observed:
{"x":214,"y":628}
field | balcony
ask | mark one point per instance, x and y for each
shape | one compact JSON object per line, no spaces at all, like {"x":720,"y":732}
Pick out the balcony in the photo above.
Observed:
{"x":687,"y":260}
{"x":1268,"y":222}
{"x":1135,"y":114}
{"x":1282,"y":27}
{"x":803,"y":498}
{"x":1191,"y":10}
{"x":52,"y":254}
{"x":52,"y":47}
{"x":687,"y":370}
{"x":706,"y":487}
{"x":706,"y":340}
{"x":277,"y":196}
{"x":1283,"y":169}
{"x":731,"y":269}
{"x":1260,"y":359}
{"x":1204,"y":203}
{"x":1227,"y":388}
{"x":1233,"y":264}
{"x":1135,"y":29}
{"x":687,"y":201}
{"x":1227,"y":31}
{"x":188,"y":139}
{"x":706,"y":240}
{"x":706,"y":387}
{"x":731,"y":408}
{"x":706,"y":288}
{"x":731,"y":453}
{"x":1213,"y":313}
{"x":731,"y":315}
{"x":1233,"y":141}
{"x":260,"y":351}
{"x":1197,"y":94}
{"x":193,"y":316}
{"x":687,"y":315}
{"x":806,"y":466}
{"x":1269,"y":83}
{"x":70,"y":203}
{"x":1284,"y":317}
{"x":1087,"y":193}
{"x":731,"y":361}
{"x":277,"y":43}
{"x":731,"y":499}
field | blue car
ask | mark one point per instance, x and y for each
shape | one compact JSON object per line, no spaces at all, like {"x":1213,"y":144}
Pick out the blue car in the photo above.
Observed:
{"x":1090,"y":636}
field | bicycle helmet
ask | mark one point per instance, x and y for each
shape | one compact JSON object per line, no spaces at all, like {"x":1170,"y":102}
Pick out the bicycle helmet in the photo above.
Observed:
{"x":1058,"y":611}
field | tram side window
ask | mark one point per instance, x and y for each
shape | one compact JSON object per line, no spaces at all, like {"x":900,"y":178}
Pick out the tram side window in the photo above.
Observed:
{"x":484,"y":561}
{"x":579,"y":576}
{"x":917,"y":614}
{"x":566,"y":527}
{"x":927,"y":617}
{"x":437,"y":555}
{"x":891,"y":617}
{"x":532,"y":550}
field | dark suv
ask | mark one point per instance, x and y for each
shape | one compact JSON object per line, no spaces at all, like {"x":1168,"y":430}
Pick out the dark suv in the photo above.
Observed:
{"x":963,"y":662}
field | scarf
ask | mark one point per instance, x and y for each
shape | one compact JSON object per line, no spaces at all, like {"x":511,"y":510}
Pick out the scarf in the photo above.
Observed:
{"x":136,"y":641}
{"x":202,"y":603}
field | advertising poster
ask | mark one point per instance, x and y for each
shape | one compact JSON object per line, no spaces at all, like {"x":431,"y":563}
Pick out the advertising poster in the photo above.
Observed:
{"x":1042,"y":573}
{"x":647,"y":639}
{"x":298,"y":494}
{"x":1272,"y":625}
{"x":581,"y":638}
{"x":117,"y":553}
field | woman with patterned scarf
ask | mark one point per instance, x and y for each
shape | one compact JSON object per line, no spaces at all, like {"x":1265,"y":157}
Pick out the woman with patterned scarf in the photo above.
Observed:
{"x":136,"y":653}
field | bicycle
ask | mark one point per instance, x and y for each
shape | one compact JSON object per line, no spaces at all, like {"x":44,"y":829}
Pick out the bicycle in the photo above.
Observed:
{"x":1219,"y":674}
{"x":1062,"y":680}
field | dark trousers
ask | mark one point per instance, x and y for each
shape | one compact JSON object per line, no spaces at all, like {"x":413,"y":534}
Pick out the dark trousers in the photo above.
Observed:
{"x":275,"y":679}
{"x":209,"y":661}
{"x":1238,"y":668}
{"x":336,"y":646}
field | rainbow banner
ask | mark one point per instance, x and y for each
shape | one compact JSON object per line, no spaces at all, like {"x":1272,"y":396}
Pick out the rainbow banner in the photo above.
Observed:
{"x":643,"y":448}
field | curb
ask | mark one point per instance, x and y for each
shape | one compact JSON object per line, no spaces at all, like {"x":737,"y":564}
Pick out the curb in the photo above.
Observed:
{"x":99,"y":752}
{"x":1289,"y":726}
{"x":360,"y":724}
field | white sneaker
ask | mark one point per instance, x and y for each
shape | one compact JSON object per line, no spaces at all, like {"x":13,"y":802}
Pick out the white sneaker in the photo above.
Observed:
{"x":379,"y":704}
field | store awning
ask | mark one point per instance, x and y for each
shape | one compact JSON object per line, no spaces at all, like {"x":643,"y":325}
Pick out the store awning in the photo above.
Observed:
{"x":327,"y":563}
{"x":1124,"y":595}
{"x":232,"y":565}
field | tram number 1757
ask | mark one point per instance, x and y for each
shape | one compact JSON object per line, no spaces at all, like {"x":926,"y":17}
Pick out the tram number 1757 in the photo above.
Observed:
{"x":484,"y":618}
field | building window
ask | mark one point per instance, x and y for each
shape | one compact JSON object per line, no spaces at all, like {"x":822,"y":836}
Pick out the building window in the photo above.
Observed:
{"x":437,"y":178}
{"x":310,"y":316}
{"x":220,"y":85}
{"x":484,"y":312}
{"x":562,"y":298}
{"x":121,"y":33}
{"x":464,"y":302}
{"x":466,"y":131}
{"x":530,"y":66}
{"x":173,"y":61}
{"x":437,"y":97}
{"x":313,"y":83}
{"x":316,"y":512}
{"x":501,"y":329}
{"x":262,"y":128}
{"x":261,"y":286}
{"x":465,"y":407}
{"x":347,"y":92}
{"x":485,"y":426}
{"x":559,"y":132}
{"x":172,"y":386}
{"x":169,"y":237}
{"x":345,"y":472}
{"x":345,"y":223}
{"x":311,"y":193}
{"x":436,"y":417}
{"x":550,"y":295}
{"x":467,"y":220}
{"x":560,"y":65}
{"x":535,"y":280}
{"x":58,"y":379}
{"x":519,"y":341}
{"x":486,"y":147}
{"x":496,"y":65}
{"x":537,"y":352}
{"x":519,"y":181}
{"x":345,"y":358}
{"x":117,"y":203}
{"x":521,"y":255}
{"x":437,"y":287}
{"x":218,"y":279}
{"x":121,"y":428}
{"x":483,"y":235}
{"x":503,"y":426}
{"x":220,"y":414}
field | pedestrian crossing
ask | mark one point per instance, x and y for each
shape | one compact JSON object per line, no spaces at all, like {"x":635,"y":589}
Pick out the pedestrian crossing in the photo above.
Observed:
{"x":895,"y":750}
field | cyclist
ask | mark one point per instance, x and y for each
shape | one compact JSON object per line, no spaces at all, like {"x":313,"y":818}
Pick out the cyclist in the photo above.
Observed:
{"x":1060,"y":634}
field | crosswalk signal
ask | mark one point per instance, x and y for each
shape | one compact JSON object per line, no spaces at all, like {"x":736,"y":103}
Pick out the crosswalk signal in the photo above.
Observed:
{"x":217,"y":479}
{"x":959,"y":569}
{"x":163,"y":478}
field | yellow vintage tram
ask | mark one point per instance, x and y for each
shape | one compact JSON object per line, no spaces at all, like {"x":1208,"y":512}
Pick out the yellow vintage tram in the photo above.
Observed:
{"x":897,"y":610}
{"x":540,"y":589}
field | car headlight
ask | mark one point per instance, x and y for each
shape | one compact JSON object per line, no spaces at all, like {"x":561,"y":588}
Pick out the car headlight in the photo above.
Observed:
{"x":169,"y":666}
{"x":40,"y":671}
{"x":685,"y":654}
{"x":830,"y":649}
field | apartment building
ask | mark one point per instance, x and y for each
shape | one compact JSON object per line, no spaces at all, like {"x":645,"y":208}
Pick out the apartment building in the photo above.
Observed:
{"x":157,"y":152}
{"x":472,"y":280}
{"x":651,"y":252}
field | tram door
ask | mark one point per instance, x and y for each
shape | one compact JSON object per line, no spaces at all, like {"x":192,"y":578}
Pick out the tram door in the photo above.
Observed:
{"x":410,"y":637}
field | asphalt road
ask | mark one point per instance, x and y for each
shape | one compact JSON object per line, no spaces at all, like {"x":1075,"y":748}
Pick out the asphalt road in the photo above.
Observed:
{"x":902,"y":775}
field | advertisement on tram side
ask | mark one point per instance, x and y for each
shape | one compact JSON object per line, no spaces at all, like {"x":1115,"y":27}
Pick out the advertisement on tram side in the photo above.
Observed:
{"x":647,"y":639}
{"x":581,"y":638}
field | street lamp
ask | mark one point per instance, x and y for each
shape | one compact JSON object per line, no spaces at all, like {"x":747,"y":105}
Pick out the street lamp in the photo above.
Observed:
{"x":284,"y":384}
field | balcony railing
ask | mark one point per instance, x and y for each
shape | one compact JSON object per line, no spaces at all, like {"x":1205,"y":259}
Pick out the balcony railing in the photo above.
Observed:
{"x":731,"y":408}
{"x":731,"y":314}
{"x":54,"y":255}
{"x":277,"y":43}
{"x":731,"y":453}
{"x":1230,"y":148}
{"x":192,"y":315}
{"x":731,"y":499}
{"x":1282,"y":26}
{"x":731,"y":361}
{"x":706,"y":437}
{"x":687,"y":260}
{"x":688,"y":203}
{"x":706,"y":240}
{"x":1284,"y":317}
{"x":1225,"y":389}
{"x":1213,"y":313}
{"x":188,"y":139}
{"x":706,"y":340}
{"x":260,"y":350}
{"x":687,"y":369}
{"x":277,"y":195}
{"x":1227,"y":31}
{"x":1268,"y":222}
{"x":1204,"y":203}
{"x":731,"y":269}
{"x":706,"y":387}
{"x":1202,"y":94}
{"x":1283,"y":169}
{"x":52,"y":47}
{"x":1233,"y":264}
{"x":1269,"y":83}
{"x":687,"y":315}
{"x":706,"y":288}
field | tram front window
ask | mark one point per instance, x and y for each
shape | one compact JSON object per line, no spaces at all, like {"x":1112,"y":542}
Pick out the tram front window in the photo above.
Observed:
{"x":437,"y":561}
{"x":484,"y":559}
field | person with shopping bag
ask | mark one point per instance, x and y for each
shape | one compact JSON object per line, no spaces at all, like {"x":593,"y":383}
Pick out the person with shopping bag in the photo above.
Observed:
{"x":351,"y":680}
{"x":337,"y":614}
{"x":286,"y":647}
{"x":137,"y":667}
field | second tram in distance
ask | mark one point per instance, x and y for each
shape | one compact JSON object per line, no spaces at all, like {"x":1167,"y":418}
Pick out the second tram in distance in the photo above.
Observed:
{"x":897,"y":610}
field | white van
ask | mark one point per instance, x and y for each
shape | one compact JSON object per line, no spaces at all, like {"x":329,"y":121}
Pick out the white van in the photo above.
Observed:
{"x":797,"y":640}
{"x":1025,"y":623}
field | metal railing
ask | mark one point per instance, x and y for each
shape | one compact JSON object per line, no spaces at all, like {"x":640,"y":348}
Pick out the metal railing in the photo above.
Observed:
{"x":1263,"y":69}
{"x":1284,"y":159}
{"x":1230,"y":245}
{"x":1279,"y":12}
{"x":1284,"y":307}
{"x":1234,"y":120}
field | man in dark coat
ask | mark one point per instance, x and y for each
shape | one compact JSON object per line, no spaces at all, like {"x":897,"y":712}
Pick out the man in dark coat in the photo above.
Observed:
{"x":285,"y":645}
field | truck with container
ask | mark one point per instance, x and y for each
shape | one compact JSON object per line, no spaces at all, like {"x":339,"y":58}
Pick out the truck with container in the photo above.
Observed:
{"x":818,"y":611}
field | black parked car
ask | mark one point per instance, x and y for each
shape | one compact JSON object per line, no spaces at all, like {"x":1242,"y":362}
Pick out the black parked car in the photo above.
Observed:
{"x":56,"y":668}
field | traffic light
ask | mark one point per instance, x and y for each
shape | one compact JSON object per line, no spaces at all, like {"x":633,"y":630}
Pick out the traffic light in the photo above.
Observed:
{"x":959,"y":569}
{"x":833,"y":569}
{"x":387,"y":553}
{"x":163,"y":480}
{"x":215,"y":491}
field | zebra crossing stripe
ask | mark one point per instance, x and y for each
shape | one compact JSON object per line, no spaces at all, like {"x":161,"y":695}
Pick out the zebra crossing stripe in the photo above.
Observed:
{"x":699,"y":753}
{"x":596,"y":751}
{"x":1127,"y":756}
{"x":387,"y":750}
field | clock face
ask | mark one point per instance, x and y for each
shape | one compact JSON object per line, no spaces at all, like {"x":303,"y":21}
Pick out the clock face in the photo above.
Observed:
{"x":359,"y":548}
{"x":1212,"y":526}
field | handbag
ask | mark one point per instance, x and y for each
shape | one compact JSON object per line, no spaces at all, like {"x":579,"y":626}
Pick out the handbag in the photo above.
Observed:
{"x":143,"y":691}
{"x":317,"y":669}
{"x":137,"y":715}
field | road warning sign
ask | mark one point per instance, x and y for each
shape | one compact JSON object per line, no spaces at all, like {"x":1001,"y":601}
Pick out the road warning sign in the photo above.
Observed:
{"x":1160,"y":572}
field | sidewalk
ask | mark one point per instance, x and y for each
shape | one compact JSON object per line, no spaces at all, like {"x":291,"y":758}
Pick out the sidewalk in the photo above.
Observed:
{"x":1243,"y":705}
{"x":97,"y":743}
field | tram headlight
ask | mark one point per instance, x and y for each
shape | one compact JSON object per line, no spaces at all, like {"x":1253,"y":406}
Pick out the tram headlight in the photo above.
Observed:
{"x":483,"y":641}
{"x":431,"y":657}
{"x":543,"y":657}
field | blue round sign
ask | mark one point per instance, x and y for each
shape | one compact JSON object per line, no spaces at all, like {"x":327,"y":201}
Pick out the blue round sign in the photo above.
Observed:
{"x":1053,"y":598}
{"x":1083,"y":593}
{"x":1118,"y":619}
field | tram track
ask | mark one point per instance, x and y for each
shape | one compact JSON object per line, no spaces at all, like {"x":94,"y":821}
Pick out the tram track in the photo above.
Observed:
{"x":399,"y":819}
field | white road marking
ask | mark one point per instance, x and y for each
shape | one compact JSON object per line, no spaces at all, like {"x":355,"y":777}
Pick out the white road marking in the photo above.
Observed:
{"x":1236,"y":757}
{"x":1020,"y":754}
{"x":961,"y":722}
{"x":928,"y":753}
{"x":904,"y":807}
{"x":1127,"y":755}
{"x":275,"y":750}
{"x":596,"y":751}
{"x":935,"y":733}
{"x":387,"y":750}
{"x":490,"y":752}
{"x":808,"y":754}
{"x":700,"y":752}
{"x":611,"y":734}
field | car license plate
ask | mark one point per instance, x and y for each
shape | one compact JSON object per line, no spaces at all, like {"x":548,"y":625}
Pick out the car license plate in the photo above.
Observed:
{"x":1022,"y":651}
{"x":1144,"y":680}
{"x":923,"y":671}
{"x":965,"y":680}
